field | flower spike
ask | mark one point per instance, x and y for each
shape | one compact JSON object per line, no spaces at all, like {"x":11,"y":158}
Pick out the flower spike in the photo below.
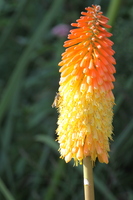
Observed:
{"x":85,"y":99}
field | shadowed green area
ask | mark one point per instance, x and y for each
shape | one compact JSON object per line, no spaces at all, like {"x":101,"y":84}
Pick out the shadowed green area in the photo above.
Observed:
{"x":30,"y":167}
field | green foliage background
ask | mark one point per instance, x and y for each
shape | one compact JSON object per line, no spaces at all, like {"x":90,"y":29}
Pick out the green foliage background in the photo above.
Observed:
{"x":30,"y":168}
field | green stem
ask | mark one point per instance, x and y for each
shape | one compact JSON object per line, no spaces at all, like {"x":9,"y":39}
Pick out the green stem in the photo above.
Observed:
{"x":113,"y":11}
{"x":88,"y":179}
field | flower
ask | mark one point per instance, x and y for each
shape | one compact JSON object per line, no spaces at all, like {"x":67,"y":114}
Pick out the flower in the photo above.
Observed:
{"x":85,"y":99}
{"x":60,"y":30}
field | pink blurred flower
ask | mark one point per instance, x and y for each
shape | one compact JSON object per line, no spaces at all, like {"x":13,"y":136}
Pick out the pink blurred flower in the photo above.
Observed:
{"x":60,"y":30}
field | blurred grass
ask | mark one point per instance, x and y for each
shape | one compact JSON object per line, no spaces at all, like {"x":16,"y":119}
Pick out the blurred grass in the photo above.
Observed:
{"x":5,"y":191}
{"x":12,"y":24}
{"x":26,"y":57}
{"x":30,"y":165}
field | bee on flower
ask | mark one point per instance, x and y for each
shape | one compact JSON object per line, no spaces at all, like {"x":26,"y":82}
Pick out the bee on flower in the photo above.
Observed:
{"x":56,"y":101}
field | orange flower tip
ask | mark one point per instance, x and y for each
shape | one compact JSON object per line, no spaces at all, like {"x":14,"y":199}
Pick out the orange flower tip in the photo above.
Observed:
{"x":68,"y":157}
{"x":85,"y":70}
{"x":102,"y":89}
{"x":98,"y":46}
{"x":91,"y":65}
{"x":84,"y":62}
{"x":80,"y":153}
{"x":74,"y":24}
{"x":104,"y":53}
{"x":100,"y":81}
{"x":90,"y":89}
{"x":83,"y":87}
{"x":93,"y":39}
{"x":93,"y":73}
{"x":86,"y":150}
{"x":109,"y":34}
{"x":88,"y":80}
{"x":95,"y":85}
{"x":99,"y":150}
{"x":103,"y":158}
{"x":104,"y":60}
{"x":61,"y":63}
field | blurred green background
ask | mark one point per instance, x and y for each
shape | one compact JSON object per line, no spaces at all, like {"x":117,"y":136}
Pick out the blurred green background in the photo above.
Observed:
{"x":30,"y":49}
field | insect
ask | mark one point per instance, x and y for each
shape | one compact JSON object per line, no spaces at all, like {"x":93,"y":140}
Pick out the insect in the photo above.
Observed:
{"x":56,"y":101}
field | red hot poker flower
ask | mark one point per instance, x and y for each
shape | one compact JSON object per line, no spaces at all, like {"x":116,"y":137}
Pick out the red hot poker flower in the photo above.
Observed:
{"x":85,"y":97}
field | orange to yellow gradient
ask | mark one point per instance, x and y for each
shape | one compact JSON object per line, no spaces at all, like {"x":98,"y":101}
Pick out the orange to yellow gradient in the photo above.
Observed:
{"x":85,"y":99}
